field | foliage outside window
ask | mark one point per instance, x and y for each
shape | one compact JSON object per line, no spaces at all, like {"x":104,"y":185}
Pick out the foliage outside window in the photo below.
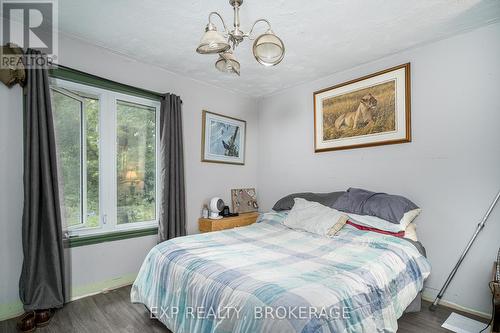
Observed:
{"x":107,"y":145}
{"x":136,"y":163}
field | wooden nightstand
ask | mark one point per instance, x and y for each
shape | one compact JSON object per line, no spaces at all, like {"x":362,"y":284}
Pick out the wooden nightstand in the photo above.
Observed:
{"x":206,"y":225}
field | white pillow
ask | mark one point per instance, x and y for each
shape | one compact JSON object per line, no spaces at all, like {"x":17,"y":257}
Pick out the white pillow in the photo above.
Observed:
{"x":378,"y":223}
{"x":315,"y":218}
{"x":411,"y":232}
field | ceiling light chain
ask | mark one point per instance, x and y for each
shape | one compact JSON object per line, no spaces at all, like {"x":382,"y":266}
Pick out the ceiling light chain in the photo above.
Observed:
{"x":268,"y":49}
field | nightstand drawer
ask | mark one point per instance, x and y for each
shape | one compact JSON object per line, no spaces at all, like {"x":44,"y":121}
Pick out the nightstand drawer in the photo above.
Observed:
{"x":206,"y":225}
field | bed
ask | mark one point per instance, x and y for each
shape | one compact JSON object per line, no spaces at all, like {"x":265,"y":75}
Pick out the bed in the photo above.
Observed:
{"x":269,"y":278}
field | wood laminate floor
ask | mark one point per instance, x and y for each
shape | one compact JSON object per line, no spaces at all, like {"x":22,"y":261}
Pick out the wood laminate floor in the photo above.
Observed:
{"x":113,"y":312}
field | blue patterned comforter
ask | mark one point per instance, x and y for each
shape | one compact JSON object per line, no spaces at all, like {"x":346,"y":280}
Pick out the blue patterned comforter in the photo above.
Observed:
{"x":269,"y":278}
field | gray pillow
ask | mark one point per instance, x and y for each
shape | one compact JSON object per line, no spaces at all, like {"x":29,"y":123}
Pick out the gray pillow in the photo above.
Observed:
{"x":326,"y":199}
{"x":385,"y":206}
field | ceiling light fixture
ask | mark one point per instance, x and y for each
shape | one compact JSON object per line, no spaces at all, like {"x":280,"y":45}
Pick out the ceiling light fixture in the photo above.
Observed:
{"x":268,"y":49}
{"x":228,"y":63}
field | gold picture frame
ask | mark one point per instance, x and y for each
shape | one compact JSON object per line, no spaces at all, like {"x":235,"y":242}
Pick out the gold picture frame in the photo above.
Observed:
{"x":223,"y":139}
{"x":369,"y":111}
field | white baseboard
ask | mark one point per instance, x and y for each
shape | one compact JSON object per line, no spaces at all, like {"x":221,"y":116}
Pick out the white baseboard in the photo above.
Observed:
{"x":429,"y":296}
{"x":15,"y":309}
{"x":101,"y":287}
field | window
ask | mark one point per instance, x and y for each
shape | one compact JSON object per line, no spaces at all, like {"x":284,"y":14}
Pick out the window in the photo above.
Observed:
{"x":136,"y":162}
{"x":107,"y":145}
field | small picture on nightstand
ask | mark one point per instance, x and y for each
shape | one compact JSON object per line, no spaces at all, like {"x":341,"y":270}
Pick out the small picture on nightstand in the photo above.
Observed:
{"x":244,"y":200}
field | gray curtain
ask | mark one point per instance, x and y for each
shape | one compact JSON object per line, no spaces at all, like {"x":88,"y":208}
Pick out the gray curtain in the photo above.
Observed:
{"x":173,"y":202}
{"x":41,"y":285}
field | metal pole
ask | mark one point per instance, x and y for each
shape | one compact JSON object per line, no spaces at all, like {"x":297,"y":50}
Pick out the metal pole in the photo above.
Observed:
{"x":479,"y":227}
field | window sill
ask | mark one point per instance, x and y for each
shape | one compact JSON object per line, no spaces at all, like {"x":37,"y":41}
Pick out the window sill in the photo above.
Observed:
{"x":76,"y":241}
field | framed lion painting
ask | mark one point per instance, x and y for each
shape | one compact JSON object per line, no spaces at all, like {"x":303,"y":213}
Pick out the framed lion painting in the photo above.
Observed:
{"x":370,"y":111}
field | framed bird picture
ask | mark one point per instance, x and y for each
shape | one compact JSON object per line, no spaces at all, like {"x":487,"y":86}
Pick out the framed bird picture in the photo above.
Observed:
{"x":222,"y":139}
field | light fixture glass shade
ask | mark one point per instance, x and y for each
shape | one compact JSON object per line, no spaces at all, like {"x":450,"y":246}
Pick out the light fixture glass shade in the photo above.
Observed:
{"x":227,"y":63}
{"x":212,"y":41}
{"x":268,"y":49}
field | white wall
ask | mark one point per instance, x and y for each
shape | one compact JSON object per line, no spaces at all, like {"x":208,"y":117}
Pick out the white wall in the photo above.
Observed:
{"x":11,"y":194}
{"x":203,"y":180}
{"x":451,"y":169}
{"x":117,"y":262}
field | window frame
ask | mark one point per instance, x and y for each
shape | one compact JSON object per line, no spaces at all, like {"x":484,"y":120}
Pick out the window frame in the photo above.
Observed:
{"x":108,"y":227}
{"x":156,"y":105}
{"x":83,"y":160}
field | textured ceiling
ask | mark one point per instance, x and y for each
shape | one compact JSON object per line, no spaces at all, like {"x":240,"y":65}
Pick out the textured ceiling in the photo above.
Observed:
{"x":321,"y":36}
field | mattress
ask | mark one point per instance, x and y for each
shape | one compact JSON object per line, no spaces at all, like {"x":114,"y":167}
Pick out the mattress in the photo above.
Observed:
{"x":269,"y":278}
